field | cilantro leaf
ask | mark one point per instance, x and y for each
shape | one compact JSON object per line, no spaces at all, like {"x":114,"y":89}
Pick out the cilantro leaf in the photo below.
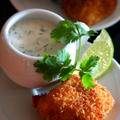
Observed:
{"x":83,"y":31}
{"x":51,"y":66}
{"x":87,"y":68}
{"x":67,"y":32}
{"x":87,"y":81}
{"x":63,"y":57}
{"x":88,"y":64}
{"x":67,"y":72}
{"x":63,"y":29}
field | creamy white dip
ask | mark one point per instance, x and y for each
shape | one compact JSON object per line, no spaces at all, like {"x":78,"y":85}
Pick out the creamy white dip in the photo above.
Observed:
{"x":32,"y":37}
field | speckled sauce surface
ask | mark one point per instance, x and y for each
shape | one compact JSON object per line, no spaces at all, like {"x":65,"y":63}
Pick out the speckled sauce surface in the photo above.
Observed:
{"x":32,"y":37}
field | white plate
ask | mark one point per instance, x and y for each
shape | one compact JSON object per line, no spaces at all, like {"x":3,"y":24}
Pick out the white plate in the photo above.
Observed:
{"x":48,"y":4}
{"x":16,"y":102}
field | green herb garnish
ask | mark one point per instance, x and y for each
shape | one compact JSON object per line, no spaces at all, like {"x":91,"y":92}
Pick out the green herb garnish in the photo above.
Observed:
{"x":87,"y":68}
{"x":59,"y":65}
{"x":52,"y":66}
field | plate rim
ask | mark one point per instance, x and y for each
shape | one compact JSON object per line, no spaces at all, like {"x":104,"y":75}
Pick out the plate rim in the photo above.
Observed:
{"x":109,"y":24}
{"x":116,"y":63}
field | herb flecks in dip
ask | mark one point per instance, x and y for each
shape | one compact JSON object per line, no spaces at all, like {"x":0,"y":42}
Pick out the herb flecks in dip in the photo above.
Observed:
{"x":32,"y":37}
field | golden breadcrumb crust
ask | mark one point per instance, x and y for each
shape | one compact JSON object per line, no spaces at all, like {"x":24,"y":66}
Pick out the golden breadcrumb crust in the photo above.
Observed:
{"x":70,"y":101}
{"x":88,"y":11}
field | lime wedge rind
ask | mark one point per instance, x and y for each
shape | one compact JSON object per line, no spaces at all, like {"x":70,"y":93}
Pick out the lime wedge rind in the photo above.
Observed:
{"x":102,"y":47}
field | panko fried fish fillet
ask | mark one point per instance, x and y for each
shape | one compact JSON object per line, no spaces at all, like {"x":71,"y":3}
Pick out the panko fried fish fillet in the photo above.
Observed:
{"x":88,"y":11}
{"x":70,"y":101}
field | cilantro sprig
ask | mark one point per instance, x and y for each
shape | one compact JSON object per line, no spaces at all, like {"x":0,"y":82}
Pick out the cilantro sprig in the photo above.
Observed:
{"x":87,"y":69}
{"x":60,"y":64}
{"x":52,"y":66}
{"x":67,"y":32}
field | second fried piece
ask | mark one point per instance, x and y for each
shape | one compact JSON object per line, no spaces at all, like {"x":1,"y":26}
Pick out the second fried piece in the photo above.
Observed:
{"x":88,"y":11}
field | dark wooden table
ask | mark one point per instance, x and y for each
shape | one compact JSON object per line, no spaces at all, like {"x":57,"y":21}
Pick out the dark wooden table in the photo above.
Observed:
{"x":7,"y":10}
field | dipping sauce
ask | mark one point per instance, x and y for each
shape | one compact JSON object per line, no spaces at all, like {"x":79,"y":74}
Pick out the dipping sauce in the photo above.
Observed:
{"x":32,"y":37}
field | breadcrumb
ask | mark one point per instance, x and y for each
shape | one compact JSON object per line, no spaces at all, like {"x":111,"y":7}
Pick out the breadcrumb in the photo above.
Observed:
{"x":70,"y":101}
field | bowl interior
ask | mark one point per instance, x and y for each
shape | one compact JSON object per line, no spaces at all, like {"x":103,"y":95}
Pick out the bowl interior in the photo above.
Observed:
{"x":28,"y":14}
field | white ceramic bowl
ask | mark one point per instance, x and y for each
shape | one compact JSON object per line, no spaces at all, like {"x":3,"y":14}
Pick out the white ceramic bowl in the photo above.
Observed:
{"x":19,"y":66}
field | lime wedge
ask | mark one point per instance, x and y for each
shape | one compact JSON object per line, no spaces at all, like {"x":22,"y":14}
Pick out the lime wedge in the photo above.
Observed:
{"x":102,"y":47}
